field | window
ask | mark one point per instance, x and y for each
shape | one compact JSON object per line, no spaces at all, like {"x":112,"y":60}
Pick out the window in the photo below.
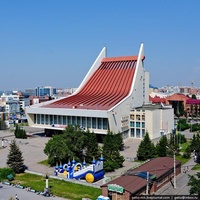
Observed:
{"x":132,"y":132}
{"x":69,"y":120}
{"x":55,"y":119}
{"x":59,"y":119}
{"x":143,"y":133}
{"x":99,"y":123}
{"x":137,"y":117}
{"x":132,"y":116}
{"x":64,"y":120}
{"x":34,"y":118}
{"x":143,"y":117}
{"x":138,"y":124}
{"x":88,"y":122}
{"x":143,"y":124}
{"x":105,"y":123}
{"x":78,"y":121}
{"x":42,"y":119}
{"x":94,"y":122}
{"x":132,"y":124}
{"x":51,"y":119}
{"x":137,"y":133}
{"x":83,"y":122}
{"x":46,"y":119}
{"x":38,"y":119}
{"x":73,"y":120}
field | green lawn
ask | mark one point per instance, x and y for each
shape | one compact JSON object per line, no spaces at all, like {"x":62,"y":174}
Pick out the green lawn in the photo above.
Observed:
{"x":196,"y":167}
{"x":183,"y":160}
{"x":58,"y":188}
{"x":184,"y":146}
{"x":44,"y":162}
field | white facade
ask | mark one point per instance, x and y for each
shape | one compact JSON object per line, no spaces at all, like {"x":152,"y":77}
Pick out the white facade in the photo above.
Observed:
{"x":116,"y":119}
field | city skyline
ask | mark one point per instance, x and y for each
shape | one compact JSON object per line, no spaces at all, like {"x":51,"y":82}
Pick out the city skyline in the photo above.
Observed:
{"x":55,"y":43}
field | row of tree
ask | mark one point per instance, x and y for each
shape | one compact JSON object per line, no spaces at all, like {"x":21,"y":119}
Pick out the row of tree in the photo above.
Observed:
{"x":165,"y":147}
{"x":74,"y":143}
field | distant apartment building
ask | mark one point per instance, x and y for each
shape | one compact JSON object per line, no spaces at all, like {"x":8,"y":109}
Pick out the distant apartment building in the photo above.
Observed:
{"x":41,"y":91}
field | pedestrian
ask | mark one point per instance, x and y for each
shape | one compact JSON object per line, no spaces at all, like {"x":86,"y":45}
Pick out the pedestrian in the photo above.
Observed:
{"x":16,"y":197}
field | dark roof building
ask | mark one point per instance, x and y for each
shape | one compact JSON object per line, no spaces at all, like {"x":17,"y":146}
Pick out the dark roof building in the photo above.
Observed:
{"x":158,"y":170}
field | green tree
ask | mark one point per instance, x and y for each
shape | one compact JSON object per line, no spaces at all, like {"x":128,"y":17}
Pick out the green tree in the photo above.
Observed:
{"x":146,"y":149}
{"x":92,"y":149}
{"x":195,"y":143}
{"x":20,"y":132}
{"x":194,"y":183}
{"x":161,"y":148}
{"x":111,"y":153}
{"x":67,"y":146}
{"x":4,"y":172}
{"x":56,"y":150}
{"x":76,"y":140}
{"x":15,"y":159}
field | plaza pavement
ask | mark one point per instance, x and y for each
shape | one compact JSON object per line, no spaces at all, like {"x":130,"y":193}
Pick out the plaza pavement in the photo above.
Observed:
{"x":32,"y":150}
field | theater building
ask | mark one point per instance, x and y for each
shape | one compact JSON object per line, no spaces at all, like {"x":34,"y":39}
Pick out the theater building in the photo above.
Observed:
{"x":109,"y":95}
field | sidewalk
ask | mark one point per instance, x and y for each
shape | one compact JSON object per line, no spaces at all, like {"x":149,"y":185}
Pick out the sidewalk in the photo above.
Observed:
{"x":181,"y":181}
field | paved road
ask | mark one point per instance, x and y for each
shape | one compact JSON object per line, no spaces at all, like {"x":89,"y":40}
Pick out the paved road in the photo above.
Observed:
{"x":7,"y":192}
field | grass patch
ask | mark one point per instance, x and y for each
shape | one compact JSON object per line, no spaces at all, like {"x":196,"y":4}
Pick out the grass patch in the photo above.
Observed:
{"x":44,"y":162}
{"x":58,"y":187}
{"x":184,"y":146}
{"x":182,"y":160}
{"x":196,"y":167}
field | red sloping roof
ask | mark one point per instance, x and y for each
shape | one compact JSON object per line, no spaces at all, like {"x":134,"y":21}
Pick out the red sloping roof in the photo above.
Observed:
{"x":193,"y":101}
{"x":157,"y":99}
{"x":109,"y":84}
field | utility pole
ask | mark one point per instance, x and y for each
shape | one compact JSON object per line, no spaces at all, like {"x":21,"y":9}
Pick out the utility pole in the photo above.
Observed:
{"x":147,"y":188}
{"x":174,"y":166}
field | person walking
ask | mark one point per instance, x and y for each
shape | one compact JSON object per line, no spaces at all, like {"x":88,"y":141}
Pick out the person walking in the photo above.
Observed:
{"x":16,"y":197}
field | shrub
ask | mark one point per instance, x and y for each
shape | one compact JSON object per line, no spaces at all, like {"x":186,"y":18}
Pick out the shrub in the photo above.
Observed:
{"x":4,"y":172}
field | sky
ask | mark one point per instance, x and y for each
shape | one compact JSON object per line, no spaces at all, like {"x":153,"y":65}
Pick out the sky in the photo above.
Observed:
{"x":55,"y":42}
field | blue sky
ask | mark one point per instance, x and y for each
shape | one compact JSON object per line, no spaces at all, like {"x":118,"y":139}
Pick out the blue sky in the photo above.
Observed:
{"x":55,"y":42}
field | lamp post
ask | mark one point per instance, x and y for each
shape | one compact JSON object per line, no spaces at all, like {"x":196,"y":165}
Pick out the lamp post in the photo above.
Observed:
{"x":174,"y":152}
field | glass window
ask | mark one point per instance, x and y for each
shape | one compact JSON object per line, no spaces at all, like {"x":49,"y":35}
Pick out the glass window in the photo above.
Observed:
{"x":55,"y":119}
{"x":78,"y":121}
{"x":143,"y":117}
{"x":94,"y":122}
{"x":46,"y":119}
{"x":83,"y":122}
{"x":137,"y":133}
{"x":34,"y":118}
{"x":88,"y":122}
{"x":132,"y":132}
{"x":38,"y":118}
{"x":99,"y":123}
{"x":59,"y":119}
{"x":137,"y":124}
{"x":51,"y":119}
{"x":143,"y":133}
{"x":42,"y":119}
{"x":137,"y":117}
{"x":105,"y":123}
{"x":132,"y":116}
{"x":69,"y":120}
{"x":132,"y":124}
{"x":64,"y":120}
{"x":73,"y":120}
{"x":143,"y":124}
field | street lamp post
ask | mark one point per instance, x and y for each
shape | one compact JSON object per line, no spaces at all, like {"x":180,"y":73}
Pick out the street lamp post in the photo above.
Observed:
{"x":174,"y":152}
